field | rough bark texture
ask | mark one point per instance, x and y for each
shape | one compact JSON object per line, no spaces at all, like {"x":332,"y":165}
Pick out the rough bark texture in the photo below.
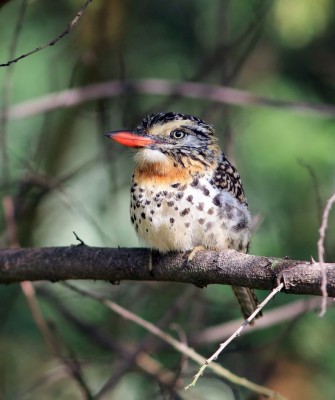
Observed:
{"x":208,"y":267}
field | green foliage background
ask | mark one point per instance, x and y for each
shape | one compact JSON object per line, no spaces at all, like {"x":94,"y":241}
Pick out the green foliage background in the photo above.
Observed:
{"x":288,"y":53}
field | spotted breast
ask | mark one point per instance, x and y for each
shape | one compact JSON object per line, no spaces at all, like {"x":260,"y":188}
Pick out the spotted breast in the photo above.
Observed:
{"x":189,"y":214}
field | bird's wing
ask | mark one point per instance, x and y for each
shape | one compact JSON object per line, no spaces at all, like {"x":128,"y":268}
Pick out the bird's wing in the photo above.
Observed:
{"x":227,"y":178}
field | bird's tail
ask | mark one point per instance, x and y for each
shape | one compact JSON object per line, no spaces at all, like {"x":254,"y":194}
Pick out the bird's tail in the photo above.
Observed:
{"x":247,"y":300}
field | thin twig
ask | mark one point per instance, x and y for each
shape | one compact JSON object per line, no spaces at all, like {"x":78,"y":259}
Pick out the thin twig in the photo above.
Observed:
{"x":70,"y":363}
{"x":315,"y":182}
{"x":182,"y":348}
{"x":321,"y":251}
{"x":131,"y":358}
{"x":234,"y":335}
{"x":29,"y":293}
{"x":7,"y":83}
{"x":102,"y":339}
{"x":272,"y":317}
{"x":52,"y":42}
{"x":11,"y":223}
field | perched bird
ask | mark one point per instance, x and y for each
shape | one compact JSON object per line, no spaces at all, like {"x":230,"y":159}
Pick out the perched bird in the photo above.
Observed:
{"x":185,"y":194}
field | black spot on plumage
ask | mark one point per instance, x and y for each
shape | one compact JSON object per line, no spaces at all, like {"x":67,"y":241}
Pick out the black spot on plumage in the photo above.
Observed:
{"x":184,"y":212}
{"x":217,"y":200}
{"x":143,"y":215}
{"x":172,"y":220}
{"x":201,"y":206}
{"x":195,"y":182}
{"x":189,"y":198}
{"x":187,"y":224}
{"x":241,"y":225}
{"x":170,"y":203}
{"x":205,"y":191}
{"x":201,"y":221}
{"x":179,"y":195}
{"x":175,"y":185}
{"x":210,"y":211}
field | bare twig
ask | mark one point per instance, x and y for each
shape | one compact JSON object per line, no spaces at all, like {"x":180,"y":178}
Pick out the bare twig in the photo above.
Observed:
{"x":70,"y":363}
{"x":182,"y":348}
{"x":52,"y":42}
{"x":11,"y":225}
{"x":50,"y":376}
{"x":29,"y":293}
{"x":131,"y":358}
{"x":315,"y":182}
{"x":234,"y":335}
{"x":6,"y":95}
{"x":321,"y":251}
{"x":226,"y":95}
{"x":102,"y":339}
{"x":272,"y":317}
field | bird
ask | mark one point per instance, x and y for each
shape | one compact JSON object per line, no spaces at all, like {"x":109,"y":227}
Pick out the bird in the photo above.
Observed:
{"x":185,"y":194}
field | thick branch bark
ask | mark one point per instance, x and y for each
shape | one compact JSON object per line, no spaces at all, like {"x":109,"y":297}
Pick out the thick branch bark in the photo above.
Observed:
{"x":207,"y":267}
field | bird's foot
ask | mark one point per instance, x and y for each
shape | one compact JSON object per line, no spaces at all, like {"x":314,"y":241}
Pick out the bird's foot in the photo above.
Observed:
{"x":192,"y":254}
{"x":189,"y":259}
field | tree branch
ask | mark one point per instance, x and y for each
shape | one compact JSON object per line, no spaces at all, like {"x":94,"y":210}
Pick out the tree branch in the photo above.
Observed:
{"x":208,"y":267}
{"x":73,"y":97}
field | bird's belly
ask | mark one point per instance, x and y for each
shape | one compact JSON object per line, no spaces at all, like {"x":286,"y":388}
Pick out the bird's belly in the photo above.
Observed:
{"x":182,"y":219}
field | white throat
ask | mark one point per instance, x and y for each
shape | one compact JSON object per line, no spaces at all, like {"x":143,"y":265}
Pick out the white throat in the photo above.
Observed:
{"x":150,"y":156}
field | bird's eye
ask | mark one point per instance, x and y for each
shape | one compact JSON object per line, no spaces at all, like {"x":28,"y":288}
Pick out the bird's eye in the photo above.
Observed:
{"x":178,"y":134}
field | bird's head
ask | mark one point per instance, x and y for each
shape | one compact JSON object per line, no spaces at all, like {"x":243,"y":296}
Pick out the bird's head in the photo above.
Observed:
{"x":172,"y":140}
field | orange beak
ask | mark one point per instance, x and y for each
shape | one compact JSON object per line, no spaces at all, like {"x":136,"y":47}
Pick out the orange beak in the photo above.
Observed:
{"x":130,"y":139}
